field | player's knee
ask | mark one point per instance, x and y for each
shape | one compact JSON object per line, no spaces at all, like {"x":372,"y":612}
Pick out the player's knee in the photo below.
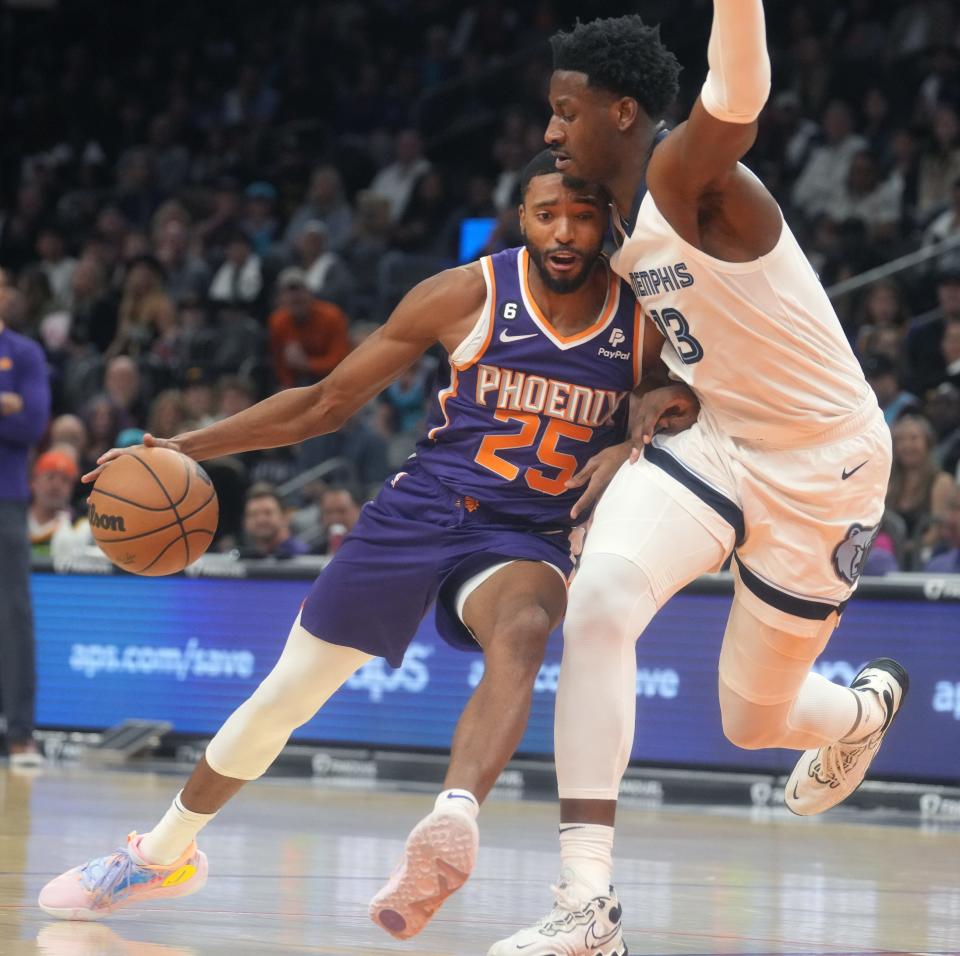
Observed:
{"x":283,"y":705}
{"x":594,"y":610}
{"x":520,"y":643}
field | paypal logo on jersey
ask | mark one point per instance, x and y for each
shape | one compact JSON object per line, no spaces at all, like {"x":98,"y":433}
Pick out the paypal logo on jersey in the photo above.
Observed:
{"x":668,"y":279}
{"x":616,"y":338}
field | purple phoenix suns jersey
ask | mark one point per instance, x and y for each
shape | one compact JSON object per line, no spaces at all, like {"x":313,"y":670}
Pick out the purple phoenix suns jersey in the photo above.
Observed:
{"x":514,"y":420}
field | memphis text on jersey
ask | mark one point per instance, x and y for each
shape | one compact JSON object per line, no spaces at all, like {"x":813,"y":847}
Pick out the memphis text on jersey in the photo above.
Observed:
{"x":522,"y":392}
{"x":668,"y":279}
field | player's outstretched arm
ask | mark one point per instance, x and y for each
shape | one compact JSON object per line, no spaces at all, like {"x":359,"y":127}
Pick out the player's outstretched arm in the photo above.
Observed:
{"x":723,"y":123}
{"x":433,"y":310}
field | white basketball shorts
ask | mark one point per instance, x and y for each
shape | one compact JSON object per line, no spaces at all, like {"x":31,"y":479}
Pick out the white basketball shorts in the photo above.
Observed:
{"x":801,"y":520}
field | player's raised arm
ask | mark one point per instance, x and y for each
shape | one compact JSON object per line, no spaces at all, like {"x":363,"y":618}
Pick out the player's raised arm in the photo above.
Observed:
{"x":723,"y":123}
{"x":438,"y":309}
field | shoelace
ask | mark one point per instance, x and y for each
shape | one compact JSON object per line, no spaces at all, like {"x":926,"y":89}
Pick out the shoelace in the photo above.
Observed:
{"x":565,"y":904}
{"x":842,"y":758}
{"x":104,"y":876}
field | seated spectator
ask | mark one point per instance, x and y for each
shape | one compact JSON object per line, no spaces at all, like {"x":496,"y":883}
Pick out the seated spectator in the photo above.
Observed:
{"x":223,"y":223}
{"x":38,"y":300}
{"x":103,"y":421}
{"x":308,"y":338}
{"x":266,"y":528}
{"x":94,"y":310}
{"x":187,"y":273}
{"x":326,"y":275}
{"x":407,"y":398}
{"x":882,"y":558}
{"x":939,"y":162}
{"x":919,"y":489}
{"x":52,"y":484}
{"x":420,"y":227}
{"x":168,"y":414}
{"x":259,"y":217}
{"x":945,"y":225}
{"x":326,"y":203}
{"x":950,"y":350}
{"x":869,"y":199}
{"x":395,"y":182}
{"x":477,"y":205}
{"x":143,"y":295}
{"x":369,"y":244}
{"x":948,"y":560}
{"x":69,"y":430}
{"x":882,"y":306}
{"x":818,"y":187}
{"x":199,"y":397}
{"x":942,"y":410}
{"x":234,"y":394}
{"x":239,"y":281}
{"x":925,"y":335}
{"x":881,"y":375}
{"x":339,"y":512}
{"x":123,"y":385}
{"x":56,"y":264}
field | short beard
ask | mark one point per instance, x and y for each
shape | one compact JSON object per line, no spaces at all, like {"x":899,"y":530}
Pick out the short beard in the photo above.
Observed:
{"x":563,"y":286}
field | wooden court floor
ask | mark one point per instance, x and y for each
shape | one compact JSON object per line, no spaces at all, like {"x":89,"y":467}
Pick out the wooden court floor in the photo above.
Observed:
{"x":293,"y":865}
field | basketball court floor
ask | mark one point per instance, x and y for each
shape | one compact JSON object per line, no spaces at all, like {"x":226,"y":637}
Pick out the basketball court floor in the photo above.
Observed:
{"x":292,"y":865}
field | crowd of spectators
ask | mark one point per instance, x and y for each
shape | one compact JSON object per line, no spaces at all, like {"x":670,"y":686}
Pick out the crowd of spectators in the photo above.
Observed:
{"x":196,"y":210}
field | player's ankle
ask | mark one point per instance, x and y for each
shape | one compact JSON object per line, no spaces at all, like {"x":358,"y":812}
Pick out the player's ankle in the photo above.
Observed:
{"x":586,"y":852}
{"x":457,"y":801}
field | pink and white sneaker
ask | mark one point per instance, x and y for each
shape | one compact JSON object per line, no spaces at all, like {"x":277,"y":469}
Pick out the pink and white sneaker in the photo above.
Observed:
{"x":439,"y":857}
{"x":98,"y":888}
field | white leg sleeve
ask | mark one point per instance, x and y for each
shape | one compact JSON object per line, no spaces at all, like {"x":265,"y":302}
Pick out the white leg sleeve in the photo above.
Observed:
{"x":308,"y":673}
{"x":612,"y":599}
{"x":738,"y":83}
{"x":768,"y":695}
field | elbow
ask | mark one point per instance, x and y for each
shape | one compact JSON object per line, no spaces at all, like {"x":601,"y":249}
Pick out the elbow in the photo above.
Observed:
{"x":325,"y":412}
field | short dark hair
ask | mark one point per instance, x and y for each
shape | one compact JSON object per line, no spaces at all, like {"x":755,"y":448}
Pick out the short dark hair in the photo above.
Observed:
{"x":624,"y":56}
{"x":545,"y":164}
{"x":263,"y":489}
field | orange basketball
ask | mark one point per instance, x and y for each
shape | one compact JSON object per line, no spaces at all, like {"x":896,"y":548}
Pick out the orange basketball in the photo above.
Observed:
{"x":153,"y":511}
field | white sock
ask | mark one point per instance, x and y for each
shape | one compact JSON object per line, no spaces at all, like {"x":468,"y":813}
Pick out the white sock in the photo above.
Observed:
{"x":870,"y":716}
{"x":173,"y":834}
{"x":587,"y":850}
{"x":457,"y":801}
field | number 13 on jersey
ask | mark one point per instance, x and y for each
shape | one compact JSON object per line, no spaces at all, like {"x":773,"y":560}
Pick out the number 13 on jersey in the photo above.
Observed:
{"x":676,"y":330}
{"x":547,"y":454}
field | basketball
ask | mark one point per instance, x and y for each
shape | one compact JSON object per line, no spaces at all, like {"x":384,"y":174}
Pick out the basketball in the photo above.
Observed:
{"x":153,"y":511}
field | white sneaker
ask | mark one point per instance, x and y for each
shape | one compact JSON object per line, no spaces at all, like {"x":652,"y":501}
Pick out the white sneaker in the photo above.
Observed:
{"x":439,"y":856}
{"x":573,"y":928}
{"x":825,"y":777}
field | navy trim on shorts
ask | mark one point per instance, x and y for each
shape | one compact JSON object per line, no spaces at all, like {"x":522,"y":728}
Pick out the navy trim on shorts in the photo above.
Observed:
{"x":789,"y":603}
{"x":723,"y":506}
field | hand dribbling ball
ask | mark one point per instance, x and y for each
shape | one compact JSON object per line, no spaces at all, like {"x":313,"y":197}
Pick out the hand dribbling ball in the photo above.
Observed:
{"x":153,"y":511}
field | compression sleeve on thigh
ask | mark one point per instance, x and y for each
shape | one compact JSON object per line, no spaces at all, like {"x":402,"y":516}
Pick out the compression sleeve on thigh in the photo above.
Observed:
{"x":738,"y":83}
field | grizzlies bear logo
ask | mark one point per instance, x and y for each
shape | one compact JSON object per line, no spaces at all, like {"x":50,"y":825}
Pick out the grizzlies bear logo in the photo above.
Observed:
{"x":850,"y":555}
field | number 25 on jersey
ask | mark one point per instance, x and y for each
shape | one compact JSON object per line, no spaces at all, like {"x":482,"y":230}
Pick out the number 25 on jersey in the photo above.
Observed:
{"x":547,"y":452}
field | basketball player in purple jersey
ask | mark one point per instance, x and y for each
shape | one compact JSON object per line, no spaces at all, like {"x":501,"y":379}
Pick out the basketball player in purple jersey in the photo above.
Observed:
{"x":545,"y":348}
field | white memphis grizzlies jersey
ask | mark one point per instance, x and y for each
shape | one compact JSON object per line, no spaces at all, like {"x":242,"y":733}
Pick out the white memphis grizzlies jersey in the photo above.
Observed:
{"x":759,"y":342}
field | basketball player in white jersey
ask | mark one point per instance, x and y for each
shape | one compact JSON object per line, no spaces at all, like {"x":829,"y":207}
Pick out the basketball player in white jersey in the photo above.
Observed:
{"x":787,"y":466}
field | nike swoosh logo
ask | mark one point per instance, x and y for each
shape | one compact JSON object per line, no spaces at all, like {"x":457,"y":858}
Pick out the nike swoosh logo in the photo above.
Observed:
{"x":505,"y":336}
{"x":592,"y":939}
{"x":847,"y":474}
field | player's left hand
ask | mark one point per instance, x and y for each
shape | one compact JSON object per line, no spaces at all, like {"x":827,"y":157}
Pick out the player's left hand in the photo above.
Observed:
{"x":668,"y":410}
{"x":596,"y":474}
